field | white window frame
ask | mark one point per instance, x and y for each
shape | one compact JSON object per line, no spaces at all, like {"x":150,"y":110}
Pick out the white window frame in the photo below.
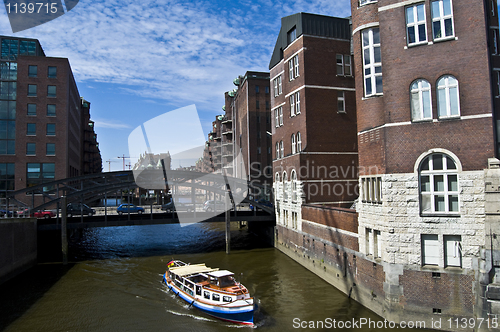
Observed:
{"x":447,"y":86}
{"x":340,"y":65}
{"x":452,"y":250}
{"x":285,"y":189}
{"x":277,"y":150}
{"x":293,"y":144}
{"x":297,"y":102}
{"x":370,"y":64}
{"x":276,"y":118}
{"x":299,"y":142}
{"x":430,"y":249}
{"x":282,"y":149}
{"x":280,"y":89}
{"x":280,"y":111}
{"x":431,"y":195}
{"x":441,"y":18}
{"x":423,"y":87}
{"x":296,"y":65}
{"x":290,"y":70}
{"x":340,"y":101}
{"x":275,"y":87}
{"x":415,"y":24}
{"x":293,"y":179}
{"x":366,"y":2}
{"x":292,"y":104}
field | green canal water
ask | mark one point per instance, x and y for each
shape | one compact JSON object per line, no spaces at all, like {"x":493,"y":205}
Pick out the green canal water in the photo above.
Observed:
{"x":114,"y":283}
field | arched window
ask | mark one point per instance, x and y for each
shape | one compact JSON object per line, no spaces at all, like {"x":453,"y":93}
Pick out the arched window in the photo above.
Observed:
{"x":438,"y":177}
{"x":277,"y":177}
{"x":299,"y":142}
{"x":293,"y":144}
{"x":277,"y":150}
{"x":285,"y":189}
{"x":293,"y":178}
{"x":282,"y":149}
{"x":421,"y":108}
{"x":447,"y":97}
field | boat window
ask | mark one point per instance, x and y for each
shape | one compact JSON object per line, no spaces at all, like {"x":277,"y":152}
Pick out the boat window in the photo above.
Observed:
{"x":198,"y":290}
{"x":227,"y":281}
{"x":215,"y":297}
{"x":206,"y":295}
{"x":226,"y":298}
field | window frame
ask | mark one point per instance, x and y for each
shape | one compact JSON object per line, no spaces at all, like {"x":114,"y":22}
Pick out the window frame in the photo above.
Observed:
{"x":30,"y":105}
{"x":341,"y":101}
{"x":32,"y":71}
{"x":296,"y":65}
{"x":420,"y":91}
{"x":29,"y":151}
{"x":446,"y":173}
{"x":31,"y":94}
{"x":294,"y":147}
{"x":447,"y":88}
{"x":371,"y":65}
{"x":51,"y":114}
{"x":50,"y":133}
{"x":441,"y":19}
{"x":299,"y":142}
{"x":416,"y":24}
{"x":292,"y":104}
{"x":51,"y":95}
{"x":28,"y":132}
{"x":49,"y":74}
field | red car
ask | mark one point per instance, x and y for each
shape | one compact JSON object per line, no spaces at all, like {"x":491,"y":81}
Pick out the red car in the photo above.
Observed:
{"x":44,"y":214}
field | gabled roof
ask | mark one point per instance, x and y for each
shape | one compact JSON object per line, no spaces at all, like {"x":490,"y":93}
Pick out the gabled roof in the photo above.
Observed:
{"x":309,"y":24}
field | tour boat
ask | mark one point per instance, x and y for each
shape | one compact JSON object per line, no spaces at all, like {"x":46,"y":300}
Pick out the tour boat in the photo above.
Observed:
{"x":211,"y":290}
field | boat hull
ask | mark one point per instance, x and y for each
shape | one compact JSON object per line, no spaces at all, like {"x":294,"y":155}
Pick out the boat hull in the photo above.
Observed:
{"x":238,"y":315}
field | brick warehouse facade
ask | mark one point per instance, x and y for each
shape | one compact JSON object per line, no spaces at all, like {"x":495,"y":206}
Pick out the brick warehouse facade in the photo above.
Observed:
{"x":50,"y":135}
{"x":423,"y":241}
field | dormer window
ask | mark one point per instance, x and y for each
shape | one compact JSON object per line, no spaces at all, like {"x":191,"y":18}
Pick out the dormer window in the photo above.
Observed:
{"x":292,"y":35}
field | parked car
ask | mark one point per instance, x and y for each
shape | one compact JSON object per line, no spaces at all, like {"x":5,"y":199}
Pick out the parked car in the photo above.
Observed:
{"x":126,"y":208}
{"x":73,"y":209}
{"x":212,"y":205}
{"x":44,"y":214}
{"x":5,"y":213}
{"x":171,"y":207}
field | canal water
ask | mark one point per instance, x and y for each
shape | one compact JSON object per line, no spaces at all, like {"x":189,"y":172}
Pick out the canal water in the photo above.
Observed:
{"x":114,"y":283}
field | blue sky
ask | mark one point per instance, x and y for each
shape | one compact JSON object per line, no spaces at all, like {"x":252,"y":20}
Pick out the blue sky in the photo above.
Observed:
{"x":135,"y":60}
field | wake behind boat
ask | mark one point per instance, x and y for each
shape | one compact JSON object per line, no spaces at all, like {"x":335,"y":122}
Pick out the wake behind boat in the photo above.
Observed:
{"x":211,"y":290}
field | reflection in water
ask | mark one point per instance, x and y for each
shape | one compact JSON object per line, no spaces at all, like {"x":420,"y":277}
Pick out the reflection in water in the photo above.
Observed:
{"x":116,"y":284}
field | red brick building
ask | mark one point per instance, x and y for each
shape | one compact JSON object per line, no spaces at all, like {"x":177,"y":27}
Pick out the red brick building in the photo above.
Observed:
{"x":47,"y":129}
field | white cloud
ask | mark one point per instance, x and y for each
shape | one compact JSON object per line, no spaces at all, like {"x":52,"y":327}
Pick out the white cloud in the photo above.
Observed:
{"x":101,"y":123}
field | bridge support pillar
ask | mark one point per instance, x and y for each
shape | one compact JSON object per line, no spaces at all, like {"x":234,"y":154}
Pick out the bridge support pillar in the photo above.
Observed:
{"x":64,"y":230}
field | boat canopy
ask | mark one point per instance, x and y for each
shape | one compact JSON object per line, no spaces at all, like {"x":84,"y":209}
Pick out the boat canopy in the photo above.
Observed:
{"x":185,"y":270}
{"x":221,"y":273}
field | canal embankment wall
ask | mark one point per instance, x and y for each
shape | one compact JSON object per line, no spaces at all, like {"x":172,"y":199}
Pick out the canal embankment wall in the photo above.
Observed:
{"x":18,"y":246}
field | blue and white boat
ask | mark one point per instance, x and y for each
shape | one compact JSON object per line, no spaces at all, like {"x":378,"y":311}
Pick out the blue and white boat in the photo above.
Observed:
{"x":211,"y":290}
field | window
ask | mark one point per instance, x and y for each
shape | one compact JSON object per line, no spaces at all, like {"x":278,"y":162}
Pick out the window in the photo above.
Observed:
{"x":277,"y":150}
{"x":266,"y":89}
{"x":297,"y":102}
{"x":257,"y":89}
{"x":51,"y":149}
{"x":259,"y":150}
{"x":276,"y":87}
{"x":51,"y":91}
{"x":442,"y":19}
{"x":369,"y":241}
{"x":421,"y":108}
{"x":31,"y":129}
{"x":293,"y":178}
{"x":452,"y":250}
{"x":7,"y":127}
{"x":51,"y":129}
{"x":30,"y":149}
{"x":52,"y":72}
{"x":280,"y":90}
{"x":276,"y":118}
{"x":377,"y":244}
{"x":438,"y":184}
{"x":280,"y":111}
{"x":290,"y":70}
{"x":299,"y":142}
{"x":344,"y":65}
{"x":7,"y":176}
{"x":257,"y":104}
{"x":285,"y":189}
{"x":8,"y":71}
{"x":51,"y":110}
{"x":430,"y":249}
{"x":340,"y":102}
{"x":365,"y":2}
{"x":416,"y":30}
{"x":296,"y":64}
{"x":494,"y":48}
{"x":282,"y":149}
{"x":8,"y":90}
{"x":37,"y":173}
{"x":226,"y":298}
{"x":292,"y":105}
{"x":31,"y":109}
{"x":371,"y":190}
{"x":293,"y":144}
{"x":267,"y":106}
{"x":372,"y":62}
{"x":447,"y":97}
{"x":32,"y":71}
{"x":31,"y":90}
{"x":292,"y":35}
{"x":215,"y":297}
